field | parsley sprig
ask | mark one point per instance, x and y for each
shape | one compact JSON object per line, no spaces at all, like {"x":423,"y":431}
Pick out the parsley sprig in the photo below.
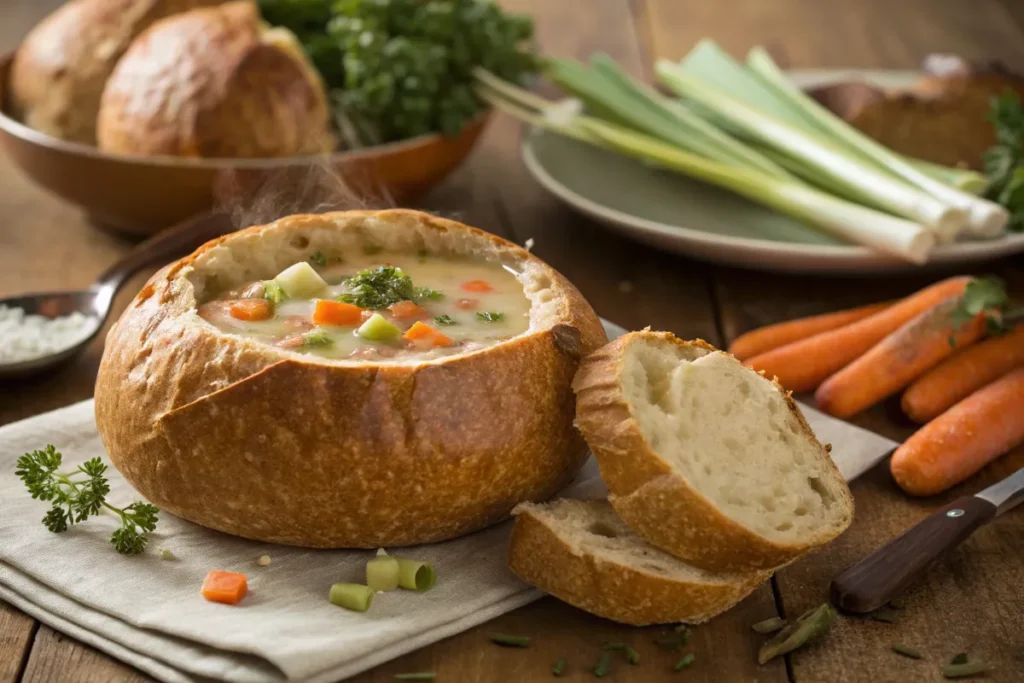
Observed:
{"x":80,"y":494}
{"x":380,"y":287}
{"x":986,"y":295}
{"x":1004,"y":163}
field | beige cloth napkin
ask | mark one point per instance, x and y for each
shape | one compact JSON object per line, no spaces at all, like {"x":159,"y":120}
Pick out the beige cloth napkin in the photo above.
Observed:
{"x":148,"y":612}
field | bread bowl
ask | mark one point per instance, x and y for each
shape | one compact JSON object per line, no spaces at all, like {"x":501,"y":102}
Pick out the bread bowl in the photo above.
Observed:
{"x":214,"y":82}
{"x":59,"y":70}
{"x":583,"y":553}
{"x":284,"y":444}
{"x":705,"y":458}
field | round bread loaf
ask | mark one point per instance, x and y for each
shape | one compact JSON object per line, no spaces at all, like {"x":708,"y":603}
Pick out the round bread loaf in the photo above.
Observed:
{"x":272,"y":444}
{"x":60,"y":68}
{"x":214,"y":82}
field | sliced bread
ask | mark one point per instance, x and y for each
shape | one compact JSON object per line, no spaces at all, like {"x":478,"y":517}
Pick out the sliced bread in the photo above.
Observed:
{"x":583,"y":553}
{"x":706,"y":458}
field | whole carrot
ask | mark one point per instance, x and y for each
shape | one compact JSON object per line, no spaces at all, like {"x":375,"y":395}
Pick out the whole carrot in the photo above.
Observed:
{"x":962,"y":440}
{"x":803,"y":365}
{"x":898,"y":360}
{"x":773,"y":336}
{"x":966,"y":371}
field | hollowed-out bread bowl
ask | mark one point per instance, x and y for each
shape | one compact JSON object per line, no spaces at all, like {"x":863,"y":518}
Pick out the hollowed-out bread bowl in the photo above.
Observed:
{"x":273,"y":444}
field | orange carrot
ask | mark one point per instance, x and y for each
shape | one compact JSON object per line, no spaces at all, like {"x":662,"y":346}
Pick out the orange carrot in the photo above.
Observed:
{"x":251,"y":309}
{"x":771,"y":337}
{"x":478,"y":286}
{"x":336,"y":313}
{"x":424,"y":335}
{"x":963,"y":439}
{"x":966,"y":371}
{"x":803,"y":365}
{"x":898,"y":360}
{"x":226,"y":587}
{"x":407,"y":309}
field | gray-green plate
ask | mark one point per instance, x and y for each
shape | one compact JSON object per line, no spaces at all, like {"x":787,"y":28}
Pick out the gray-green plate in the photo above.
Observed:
{"x":685,"y":216}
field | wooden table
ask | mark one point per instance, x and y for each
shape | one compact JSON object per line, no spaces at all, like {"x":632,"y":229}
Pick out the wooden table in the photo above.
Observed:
{"x":971,"y":600}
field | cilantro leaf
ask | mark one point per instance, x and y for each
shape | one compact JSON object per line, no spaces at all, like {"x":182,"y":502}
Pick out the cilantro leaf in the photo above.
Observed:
{"x":982,"y":295}
{"x":490,"y":317}
{"x":444,"y":320}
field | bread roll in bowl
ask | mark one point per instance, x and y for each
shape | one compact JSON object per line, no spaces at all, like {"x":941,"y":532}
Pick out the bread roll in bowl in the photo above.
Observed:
{"x":214,"y":82}
{"x":272,"y":444}
{"x":60,"y":68}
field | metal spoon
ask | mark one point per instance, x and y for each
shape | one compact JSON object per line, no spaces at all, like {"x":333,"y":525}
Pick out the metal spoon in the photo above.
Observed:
{"x":95,"y":302}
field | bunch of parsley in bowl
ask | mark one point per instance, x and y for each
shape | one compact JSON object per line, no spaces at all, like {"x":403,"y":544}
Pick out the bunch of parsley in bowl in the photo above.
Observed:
{"x":397,"y":69}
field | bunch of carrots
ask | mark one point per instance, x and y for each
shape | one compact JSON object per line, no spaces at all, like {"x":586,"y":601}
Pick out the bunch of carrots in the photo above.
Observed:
{"x":952,"y":348}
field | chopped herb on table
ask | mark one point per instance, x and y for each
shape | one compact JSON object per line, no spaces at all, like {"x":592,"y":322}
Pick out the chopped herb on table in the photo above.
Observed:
{"x":906,"y":651}
{"x":510,"y":641}
{"x":490,"y":317}
{"x":558,"y":670}
{"x":604,"y":665}
{"x":80,"y":494}
{"x":685,"y":662}
{"x":418,"y":676}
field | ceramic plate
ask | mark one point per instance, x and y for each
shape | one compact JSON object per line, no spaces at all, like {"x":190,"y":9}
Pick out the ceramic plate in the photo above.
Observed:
{"x":688,"y":217}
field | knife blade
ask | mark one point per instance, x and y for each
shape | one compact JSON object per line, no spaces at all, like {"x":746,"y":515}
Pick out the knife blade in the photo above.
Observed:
{"x":872,"y":582}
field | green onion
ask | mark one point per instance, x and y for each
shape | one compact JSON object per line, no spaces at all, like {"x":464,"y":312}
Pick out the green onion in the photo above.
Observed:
{"x":906,"y":651}
{"x":965,"y":179}
{"x":885,"y":614}
{"x":819,"y":156}
{"x":419,"y":676}
{"x":985,"y":218}
{"x":558,"y":670}
{"x":685,"y":662}
{"x":382,"y":573}
{"x":632,"y":656}
{"x":855,"y":223}
{"x":415,"y":576}
{"x":273,"y":291}
{"x":510,"y":641}
{"x":811,"y":625}
{"x":353,"y":596}
{"x":603,"y":665}
{"x":965,"y":669}
{"x":769,"y":625}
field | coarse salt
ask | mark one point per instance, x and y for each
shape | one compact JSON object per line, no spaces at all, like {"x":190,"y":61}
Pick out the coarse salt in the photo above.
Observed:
{"x":26,"y":337}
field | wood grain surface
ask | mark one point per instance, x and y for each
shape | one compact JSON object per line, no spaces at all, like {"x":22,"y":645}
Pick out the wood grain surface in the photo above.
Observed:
{"x":973,"y":599}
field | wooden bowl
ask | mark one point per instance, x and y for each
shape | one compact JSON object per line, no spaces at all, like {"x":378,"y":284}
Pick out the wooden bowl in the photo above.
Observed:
{"x":141,"y":195}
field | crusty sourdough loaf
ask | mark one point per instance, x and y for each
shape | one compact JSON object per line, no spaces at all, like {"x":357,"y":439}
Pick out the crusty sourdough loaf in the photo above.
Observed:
{"x":706,"y":458}
{"x":267,"y":443}
{"x":214,"y":82}
{"x":583,"y":553}
{"x":60,"y":68}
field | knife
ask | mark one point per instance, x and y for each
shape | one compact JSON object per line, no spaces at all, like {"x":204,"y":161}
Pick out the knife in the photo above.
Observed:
{"x":873,"y":581}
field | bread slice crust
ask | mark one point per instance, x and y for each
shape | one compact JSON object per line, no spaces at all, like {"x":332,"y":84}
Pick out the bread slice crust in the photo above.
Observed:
{"x":657,"y":501}
{"x":266,"y":443}
{"x":542,"y":554}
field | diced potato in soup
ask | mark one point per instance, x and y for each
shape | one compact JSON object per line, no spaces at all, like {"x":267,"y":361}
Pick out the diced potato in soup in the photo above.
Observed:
{"x":382,"y":306}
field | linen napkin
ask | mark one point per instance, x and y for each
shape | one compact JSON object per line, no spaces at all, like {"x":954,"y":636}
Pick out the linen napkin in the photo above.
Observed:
{"x":147,"y":611}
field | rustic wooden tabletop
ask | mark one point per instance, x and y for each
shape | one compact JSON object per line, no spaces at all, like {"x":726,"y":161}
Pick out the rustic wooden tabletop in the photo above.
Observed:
{"x":973,"y":599}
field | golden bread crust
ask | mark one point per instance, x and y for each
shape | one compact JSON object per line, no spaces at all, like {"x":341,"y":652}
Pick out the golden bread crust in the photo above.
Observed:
{"x":264,"y":443}
{"x":658,"y":503}
{"x":211,"y":83}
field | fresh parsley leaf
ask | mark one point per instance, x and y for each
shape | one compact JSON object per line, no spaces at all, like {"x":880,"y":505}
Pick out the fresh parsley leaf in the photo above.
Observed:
{"x":378,"y":288}
{"x":982,"y":295}
{"x":1004,"y":163}
{"x":80,"y":494}
{"x":422,"y":293}
{"x":317,"y":337}
{"x":444,"y":320}
{"x":490,"y":317}
{"x":273,"y":291}
{"x":317,"y":258}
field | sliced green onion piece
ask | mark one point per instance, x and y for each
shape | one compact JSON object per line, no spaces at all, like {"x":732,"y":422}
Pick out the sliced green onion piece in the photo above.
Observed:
{"x":415,"y":576}
{"x":418,"y":676}
{"x":353,"y":596}
{"x":382,"y":573}
{"x":685,"y":662}
{"x":603,"y":665}
{"x":558,"y":670}
{"x":509,"y":640}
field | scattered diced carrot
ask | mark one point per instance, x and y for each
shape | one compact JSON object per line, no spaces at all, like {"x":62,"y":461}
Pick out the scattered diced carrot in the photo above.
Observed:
{"x":252,"y":309}
{"x":407,"y":309}
{"x":481,"y":286}
{"x":467,"y":304}
{"x":425,"y":335}
{"x":329,"y":312}
{"x":226,"y":587}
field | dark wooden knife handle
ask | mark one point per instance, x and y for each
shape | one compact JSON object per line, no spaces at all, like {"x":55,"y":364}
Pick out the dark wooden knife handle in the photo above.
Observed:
{"x":876,"y":579}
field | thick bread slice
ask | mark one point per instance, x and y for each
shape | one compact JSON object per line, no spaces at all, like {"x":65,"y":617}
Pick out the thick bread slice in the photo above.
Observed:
{"x":706,"y":458}
{"x":583,"y":553}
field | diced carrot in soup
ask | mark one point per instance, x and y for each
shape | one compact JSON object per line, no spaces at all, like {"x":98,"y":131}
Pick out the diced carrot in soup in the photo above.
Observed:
{"x":336,"y":313}
{"x":424,"y":335}
{"x":407,"y":309}
{"x":251,"y":309}
{"x":481,"y":286}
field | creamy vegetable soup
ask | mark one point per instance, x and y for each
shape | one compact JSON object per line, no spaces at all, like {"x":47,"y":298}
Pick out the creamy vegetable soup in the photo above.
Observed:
{"x":377,"y":306}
